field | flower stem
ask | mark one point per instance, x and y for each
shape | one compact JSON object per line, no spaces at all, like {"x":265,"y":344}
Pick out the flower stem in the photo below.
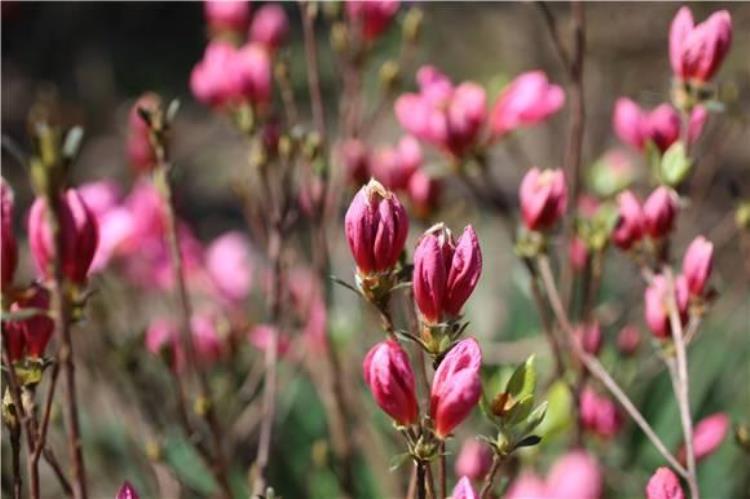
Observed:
{"x":489,"y":479}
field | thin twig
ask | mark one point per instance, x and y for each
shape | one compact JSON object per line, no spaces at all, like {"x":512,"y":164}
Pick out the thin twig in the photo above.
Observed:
{"x":41,"y":440}
{"x":313,"y":73}
{"x":489,"y":479}
{"x":442,"y":473}
{"x":598,"y":370}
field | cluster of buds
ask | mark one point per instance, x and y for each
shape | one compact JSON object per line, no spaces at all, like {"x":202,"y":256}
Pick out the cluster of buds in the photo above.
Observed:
{"x":655,"y":218}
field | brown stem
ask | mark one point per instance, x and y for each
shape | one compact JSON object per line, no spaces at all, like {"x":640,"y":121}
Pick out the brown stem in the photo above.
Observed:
{"x":41,"y":440}
{"x":598,"y":370}
{"x":682,"y":385}
{"x":442,"y":471}
{"x":549,"y":331}
{"x":313,"y":73}
{"x":15,"y":445}
{"x":489,"y":479}
{"x":421,"y":481}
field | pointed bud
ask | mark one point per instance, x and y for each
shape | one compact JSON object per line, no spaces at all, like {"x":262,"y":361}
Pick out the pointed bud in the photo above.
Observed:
{"x":660,"y":212}
{"x":127,"y":491}
{"x":664,"y":484}
{"x":657,"y":301}
{"x":543,"y":196}
{"x":629,"y":228}
{"x":456,"y":387}
{"x":708,"y":435}
{"x":390,"y":378}
{"x":464,"y":490}
{"x":697,"y":51}
{"x":697,"y":264}
{"x":376,"y":227}
{"x":36,"y":330}
{"x":80,"y":237}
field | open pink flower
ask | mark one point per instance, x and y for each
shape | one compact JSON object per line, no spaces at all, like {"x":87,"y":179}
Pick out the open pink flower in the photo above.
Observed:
{"x":529,"y":99}
{"x":456,"y":386}
{"x":7,"y":238}
{"x":664,"y":484}
{"x":445,"y":116}
{"x":445,"y":272}
{"x":371,"y":17}
{"x":543,"y":196}
{"x":80,"y":236}
{"x":697,"y":51}
{"x":390,"y":378}
{"x":697,"y":264}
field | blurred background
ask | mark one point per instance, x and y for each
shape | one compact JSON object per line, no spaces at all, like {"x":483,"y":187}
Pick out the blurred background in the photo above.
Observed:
{"x":97,"y":57}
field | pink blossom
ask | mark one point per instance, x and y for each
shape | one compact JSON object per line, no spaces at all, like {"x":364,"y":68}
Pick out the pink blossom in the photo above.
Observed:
{"x":376,"y":227}
{"x":270,"y":26}
{"x":527,"y":486}
{"x":29,"y":337}
{"x":424,"y":193}
{"x":697,"y":264}
{"x":527,"y":100}
{"x":445,"y":272}
{"x":543,"y":196}
{"x":7,"y":238}
{"x":371,"y":17}
{"x":260,"y":337}
{"x":79,"y":241}
{"x":630,"y":221}
{"x":227,"y":15}
{"x":390,"y":378}
{"x":590,"y":337}
{"x":657,"y":299}
{"x":697,"y":51}
{"x":599,"y":414}
{"x":576,"y":475}
{"x":708,"y":435}
{"x":660,"y":212}
{"x":163,"y":339}
{"x":394,"y":166}
{"x":213,"y":80}
{"x":577,"y":254}
{"x":661,"y":126}
{"x":252,"y":66}
{"x":229,"y":267}
{"x":207,"y":341}
{"x":474,"y":460}
{"x":464,"y":490}
{"x":456,"y":386}
{"x":127,"y":491}
{"x":664,"y":484}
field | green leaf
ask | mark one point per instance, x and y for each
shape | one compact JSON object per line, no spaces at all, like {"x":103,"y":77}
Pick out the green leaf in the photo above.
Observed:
{"x":536,"y":417}
{"x":559,"y":410}
{"x":675,"y":165}
{"x":520,"y":410}
{"x":523,"y":380}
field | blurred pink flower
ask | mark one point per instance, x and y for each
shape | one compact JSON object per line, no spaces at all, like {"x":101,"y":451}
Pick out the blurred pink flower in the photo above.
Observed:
{"x":227,"y":15}
{"x":660,"y":212}
{"x":661,"y":125}
{"x":228,"y":264}
{"x":697,"y":51}
{"x":697,"y":264}
{"x":708,"y":435}
{"x":424,"y":193}
{"x":260,"y":336}
{"x":371,"y":17}
{"x":599,"y":414}
{"x":474,"y":460}
{"x":270,"y":26}
{"x":577,"y":254}
{"x":527,"y":486}
{"x":464,"y":490}
{"x":355,"y":159}
{"x":664,"y":484}
{"x":630,"y":221}
{"x":628,"y":340}
{"x":590,"y":337}
{"x":527,"y":100}
{"x":394,"y":166}
{"x":445,"y":116}
{"x":576,"y":475}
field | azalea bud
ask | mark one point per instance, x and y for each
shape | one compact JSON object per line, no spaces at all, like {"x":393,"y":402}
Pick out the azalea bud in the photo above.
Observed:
{"x":590,"y":337}
{"x":390,"y":378}
{"x":474,"y":460}
{"x":8,"y":239}
{"x":394,"y":166}
{"x":628,"y":340}
{"x":661,"y":126}
{"x":456,"y":386}
{"x":526,"y":486}
{"x":599,"y":414}
{"x":270,"y":26}
{"x":527,"y":100}
{"x":657,"y":300}
{"x":697,"y":264}
{"x":372,"y":18}
{"x":445,"y":272}
{"x":80,"y":236}
{"x":576,"y":474}
{"x":127,"y":491}
{"x":630,"y":221}
{"x":139,"y":150}
{"x":226,"y":15}
{"x":696,"y":52}
{"x":376,"y":227}
{"x":464,"y":490}
{"x":356,"y":162}
{"x":213,"y":80}
{"x":229,"y":267}
{"x":660,"y":212}
{"x":708,"y":435}
{"x":252,"y":67}
{"x":664,"y":484}
{"x":36,"y":330}
{"x":543,"y":197}
{"x":424,"y":192}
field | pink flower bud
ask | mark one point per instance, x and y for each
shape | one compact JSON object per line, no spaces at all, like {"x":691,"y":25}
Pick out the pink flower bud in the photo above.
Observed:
{"x":13,"y":340}
{"x":7,"y":238}
{"x":630,"y":221}
{"x":708,"y":435}
{"x":36,"y":330}
{"x":697,"y":264}
{"x":356,"y":162}
{"x":661,"y":126}
{"x":229,"y":267}
{"x":599,"y":414}
{"x":252,"y":66}
{"x":376,"y":227}
{"x":127,"y":491}
{"x":527,"y":486}
{"x":656,"y":299}
{"x":80,"y":236}
{"x":576,"y":474}
{"x":456,"y":386}
{"x":260,"y":337}
{"x":628,"y":121}
{"x":372,"y":18}
{"x":660,"y":212}
{"x":664,"y":484}
{"x":590,"y":337}
{"x":464,"y":490}
{"x":270,"y":26}
{"x":628,"y":340}
{"x":390,"y":378}
{"x":445,"y":272}
{"x":474,"y":460}
{"x":696,"y":52}
{"x":543,"y":197}
{"x":227,"y":15}
{"x":527,"y":100}
{"x":394,"y":166}
{"x":139,"y":150}
{"x":424,"y":193}
{"x":577,"y":254}
{"x":213,"y":81}
{"x":447,"y":117}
